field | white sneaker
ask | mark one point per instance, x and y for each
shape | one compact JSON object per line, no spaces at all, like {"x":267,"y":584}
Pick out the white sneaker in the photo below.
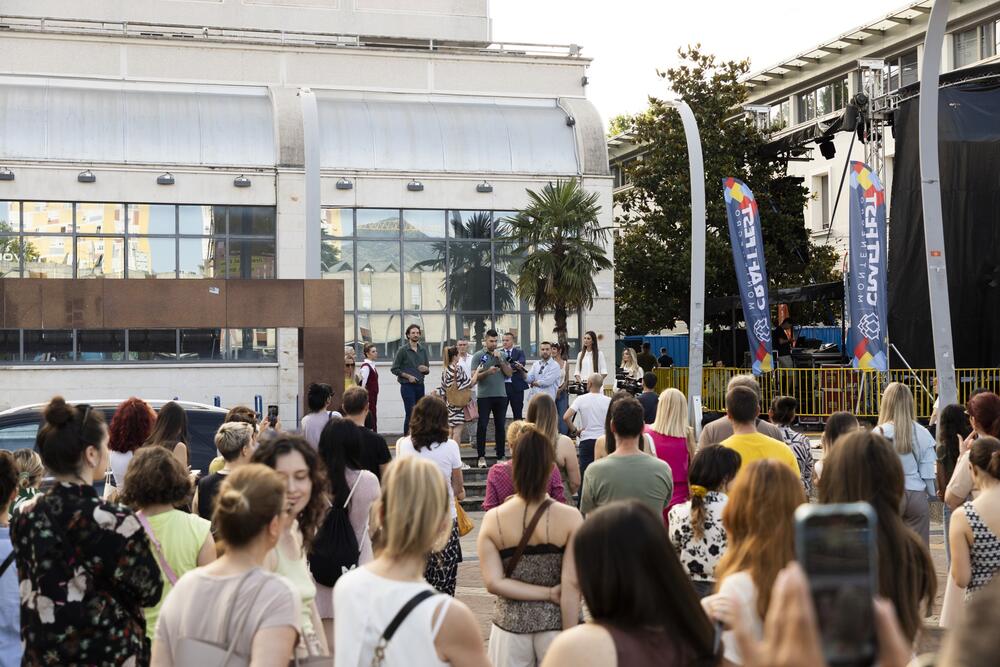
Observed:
{"x":466,"y":466}
{"x":482,"y":462}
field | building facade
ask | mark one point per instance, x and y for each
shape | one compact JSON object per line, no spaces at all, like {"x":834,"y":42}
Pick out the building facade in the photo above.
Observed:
{"x":140,"y":142}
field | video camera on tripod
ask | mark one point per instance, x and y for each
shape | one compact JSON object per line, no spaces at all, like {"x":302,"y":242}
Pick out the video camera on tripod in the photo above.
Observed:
{"x":629,"y":384}
{"x":576,"y":387}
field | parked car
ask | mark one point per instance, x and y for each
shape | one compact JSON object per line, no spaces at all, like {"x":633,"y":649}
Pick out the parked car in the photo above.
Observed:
{"x":18,"y":426}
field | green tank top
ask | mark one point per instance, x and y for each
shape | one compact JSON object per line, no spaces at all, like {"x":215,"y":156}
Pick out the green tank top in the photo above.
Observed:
{"x":297,"y":572}
{"x":181,"y":536}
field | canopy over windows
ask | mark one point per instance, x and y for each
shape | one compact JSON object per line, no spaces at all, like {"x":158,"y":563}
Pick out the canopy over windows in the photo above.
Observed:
{"x":486,"y":135}
{"x":89,"y":121}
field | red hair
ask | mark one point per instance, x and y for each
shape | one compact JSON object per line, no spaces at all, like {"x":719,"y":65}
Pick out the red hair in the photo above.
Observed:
{"x":131,"y":425}
{"x":985,"y":409}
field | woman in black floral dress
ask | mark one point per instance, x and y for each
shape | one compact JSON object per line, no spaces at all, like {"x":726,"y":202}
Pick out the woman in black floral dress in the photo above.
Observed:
{"x":85,"y":565}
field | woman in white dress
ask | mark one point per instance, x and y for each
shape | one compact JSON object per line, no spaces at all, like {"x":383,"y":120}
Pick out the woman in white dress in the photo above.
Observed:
{"x":590,"y":360}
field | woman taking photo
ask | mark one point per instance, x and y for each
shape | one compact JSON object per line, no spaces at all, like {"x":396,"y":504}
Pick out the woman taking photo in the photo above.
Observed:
{"x":915,"y":446}
{"x":760,"y":534}
{"x":155,"y":486}
{"x":984,"y":418}
{"x":234,"y":602}
{"x":85,"y":566}
{"x":526,"y":560}
{"x":975,"y":525}
{"x":170,"y":431}
{"x":562,"y":396}
{"x":590,"y":360}
{"x":644,"y":612}
{"x":131,"y":425}
{"x":673,"y":441}
{"x":413,"y":519}
{"x":305,"y":502}
{"x":429,"y":440}
{"x":631,"y":367}
{"x":543,"y":414}
{"x":454,"y":377}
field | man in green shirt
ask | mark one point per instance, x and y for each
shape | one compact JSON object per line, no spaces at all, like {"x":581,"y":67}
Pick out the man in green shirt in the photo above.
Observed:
{"x":628,"y":472}
{"x":491,"y":370}
{"x":410,"y":366}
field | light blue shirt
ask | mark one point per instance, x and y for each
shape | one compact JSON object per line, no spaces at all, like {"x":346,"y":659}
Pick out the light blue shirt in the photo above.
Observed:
{"x":918,"y":465}
{"x":547,"y":375}
{"x":10,"y":607}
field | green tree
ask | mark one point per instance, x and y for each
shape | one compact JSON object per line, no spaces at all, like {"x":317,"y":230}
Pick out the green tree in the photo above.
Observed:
{"x":562,"y":248}
{"x":653,"y":240}
{"x":11,"y":249}
{"x":619,"y":124}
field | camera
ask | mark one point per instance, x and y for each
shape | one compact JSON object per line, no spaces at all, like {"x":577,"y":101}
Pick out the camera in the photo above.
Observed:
{"x":628,"y":384}
{"x":577,"y":388}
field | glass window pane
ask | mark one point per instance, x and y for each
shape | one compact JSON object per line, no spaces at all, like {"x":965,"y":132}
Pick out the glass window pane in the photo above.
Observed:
{"x":418,"y":224}
{"x":472,"y":327}
{"x":966,"y":47}
{"x":989,"y":40}
{"x":152,"y":219}
{"x":350,"y":334}
{"x":251,"y":345}
{"x":908,"y":68}
{"x":152,"y":257}
{"x":252,"y":259}
{"x":199,"y":220}
{"x":338,"y":222}
{"x":824,"y":100}
{"x":471,"y":274}
{"x":469,"y":224}
{"x":10,"y":217}
{"x":501,"y":224}
{"x":48,"y":345}
{"x":201,"y":344}
{"x":424,"y":266}
{"x":546,"y":331}
{"x":100,"y":257}
{"x":48,"y":217}
{"x":385,"y":331}
{"x":202,"y":258}
{"x":337,"y":262}
{"x":378,"y":222}
{"x":10,"y":345}
{"x":434,"y":330}
{"x":152,"y":344}
{"x":100,"y":219}
{"x":100,"y":345}
{"x":10,"y":256}
{"x":505,"y":277}
{"x":48,"y":257}
{"x":378,"y":276}
{"x":251,"y":220}
{"x":522,"y":325}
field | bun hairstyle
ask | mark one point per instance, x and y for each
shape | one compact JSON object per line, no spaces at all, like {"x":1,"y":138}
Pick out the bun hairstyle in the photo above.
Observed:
{"x":249,"y":499}
{"x":985,"y":455}
{"x":66,"y":433}
{"x":29,"y":468}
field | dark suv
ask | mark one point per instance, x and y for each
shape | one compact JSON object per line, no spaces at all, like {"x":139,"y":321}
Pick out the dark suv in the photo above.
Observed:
{"x":18,"y":427}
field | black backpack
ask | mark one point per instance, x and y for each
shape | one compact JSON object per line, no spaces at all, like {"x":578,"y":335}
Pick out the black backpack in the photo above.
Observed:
{"x":335,"y":549}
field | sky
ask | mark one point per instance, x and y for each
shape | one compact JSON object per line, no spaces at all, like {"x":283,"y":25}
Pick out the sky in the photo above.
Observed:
{"x":629,"y":40}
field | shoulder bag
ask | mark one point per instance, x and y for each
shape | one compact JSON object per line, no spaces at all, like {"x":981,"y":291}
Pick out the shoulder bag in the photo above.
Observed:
{"x":168,"y":571}
{"x":456,"y":397}
{"x":394,"y":624}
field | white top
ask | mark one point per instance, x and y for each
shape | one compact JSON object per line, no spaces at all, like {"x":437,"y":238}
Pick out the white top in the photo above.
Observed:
{"x":445,"y":455}
{"x":741,"y":588}
{"x":585,"y":364}
{"x":366,"y":369}
{"x":466,"y":364}
{"x":699,"y":556}
{"x":591,"y":408}
{"x":365,"y":605}
{"x":119,"y":464}
{"x":314,"y":423}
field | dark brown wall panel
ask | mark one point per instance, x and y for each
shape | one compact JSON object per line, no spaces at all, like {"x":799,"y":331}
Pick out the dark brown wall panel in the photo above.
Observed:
{"x":73,"y":304}
{"x":324,"y":358}
{"x":324,"y":303}
{"x":23,"y":304}
{"x":264,"y":303}
{"x":165,"y":304}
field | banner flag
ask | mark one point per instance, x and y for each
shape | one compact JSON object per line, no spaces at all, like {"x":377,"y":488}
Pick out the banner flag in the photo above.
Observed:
{"x":751,"y":275}
{"x":868,"y":340}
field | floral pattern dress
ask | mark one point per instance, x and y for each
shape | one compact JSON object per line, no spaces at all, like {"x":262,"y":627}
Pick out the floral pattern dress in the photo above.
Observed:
{"x":699,"y":556}
{"x":86,"y":572}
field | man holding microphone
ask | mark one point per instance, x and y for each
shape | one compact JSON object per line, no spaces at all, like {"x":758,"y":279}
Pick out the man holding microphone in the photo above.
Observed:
{"x":492,"y":370}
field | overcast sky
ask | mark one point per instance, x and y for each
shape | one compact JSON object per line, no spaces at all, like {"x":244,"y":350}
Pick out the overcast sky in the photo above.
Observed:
{"x":629,"y":40}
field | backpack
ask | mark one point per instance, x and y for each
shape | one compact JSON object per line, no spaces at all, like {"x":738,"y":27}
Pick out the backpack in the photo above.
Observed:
{"x":335,"y":550}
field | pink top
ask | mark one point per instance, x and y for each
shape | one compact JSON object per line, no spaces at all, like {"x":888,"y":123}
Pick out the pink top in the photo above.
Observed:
{"x":674,"y":451}
{"x":500,"y":485}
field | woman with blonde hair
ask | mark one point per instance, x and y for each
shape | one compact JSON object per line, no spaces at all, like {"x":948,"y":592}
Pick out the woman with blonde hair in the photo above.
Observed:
{"x":916,"y":450}
{"x":413,"y":519}
{"x":760,"y":534}
{"x":673,"y":441}
{"x":543,"y":413}
{"x":29,"y":473}
{"x":633,"y":371}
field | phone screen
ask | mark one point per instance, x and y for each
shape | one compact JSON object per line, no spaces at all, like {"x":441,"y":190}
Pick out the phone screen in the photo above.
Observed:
{"x":272,"y":413}
{"x":836,"y":551}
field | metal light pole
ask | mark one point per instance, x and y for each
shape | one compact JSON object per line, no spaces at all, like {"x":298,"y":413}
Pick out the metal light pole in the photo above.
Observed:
{"x":310,"y":140}
{"x":930,"y":190}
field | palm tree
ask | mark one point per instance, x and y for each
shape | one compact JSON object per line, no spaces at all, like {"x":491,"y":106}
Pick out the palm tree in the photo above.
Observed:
{"x":562,"y":247}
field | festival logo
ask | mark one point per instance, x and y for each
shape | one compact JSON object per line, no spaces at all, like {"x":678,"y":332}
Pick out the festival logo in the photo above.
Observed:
{"x":867,"y":298}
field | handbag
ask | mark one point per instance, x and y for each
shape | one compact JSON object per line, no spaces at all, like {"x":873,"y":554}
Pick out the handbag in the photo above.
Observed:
{"x":465,"y":524}
{"x":456,"y":397}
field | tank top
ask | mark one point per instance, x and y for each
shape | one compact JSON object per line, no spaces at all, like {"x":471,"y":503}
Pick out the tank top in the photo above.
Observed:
{"x":181,"y":536}
{"x":366,"y":603}
{"x":673,"y":450}
{"x":297,"y":571}
{"x":984,"y":555}
{"x":644,"y":648}
{"x":541,"y":565}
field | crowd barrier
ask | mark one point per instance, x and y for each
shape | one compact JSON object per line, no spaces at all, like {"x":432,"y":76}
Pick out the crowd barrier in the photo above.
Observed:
{"x":823,"y":391}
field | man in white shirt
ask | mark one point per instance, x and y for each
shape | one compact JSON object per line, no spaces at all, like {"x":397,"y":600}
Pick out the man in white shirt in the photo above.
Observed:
{"x":592,"y":409}
{"x":544,"y":376}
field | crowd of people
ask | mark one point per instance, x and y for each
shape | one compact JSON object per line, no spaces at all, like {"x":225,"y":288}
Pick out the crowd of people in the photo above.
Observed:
{"x":611,"y":536}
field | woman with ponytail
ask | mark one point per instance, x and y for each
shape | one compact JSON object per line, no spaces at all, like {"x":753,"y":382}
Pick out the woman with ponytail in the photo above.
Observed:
{"x":975,"y":526}
{"x":696,"y":530}
{"x":235,"y":599}
{"x":29,"y":473}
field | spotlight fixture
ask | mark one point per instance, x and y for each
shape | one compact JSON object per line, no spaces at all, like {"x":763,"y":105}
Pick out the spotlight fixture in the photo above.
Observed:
{"x":484,"y":187}
{"x":827,"y":149}
{"x":344,"y":184}
{"x":6,"y":174}
{"x":861,"y":99}
{"x":241,"y":181}
{"x":165,"y":178}
{"x":415,"y":186}
{"x":86,"y":176}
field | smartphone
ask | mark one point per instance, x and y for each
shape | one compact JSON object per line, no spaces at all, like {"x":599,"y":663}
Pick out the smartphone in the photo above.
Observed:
{"x":836,"y":546}
{"x":272,"y":414}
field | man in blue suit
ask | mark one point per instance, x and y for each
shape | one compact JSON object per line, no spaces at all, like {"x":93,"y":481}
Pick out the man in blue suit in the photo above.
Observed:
{"x":515,"y":384}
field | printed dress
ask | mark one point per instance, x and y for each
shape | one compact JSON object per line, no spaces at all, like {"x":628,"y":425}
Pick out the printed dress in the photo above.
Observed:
{"x":456,"y":415}
{"x":86,"y":572}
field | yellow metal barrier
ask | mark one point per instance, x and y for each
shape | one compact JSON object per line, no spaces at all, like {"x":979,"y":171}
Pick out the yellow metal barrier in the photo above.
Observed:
{"x":823,"y":391}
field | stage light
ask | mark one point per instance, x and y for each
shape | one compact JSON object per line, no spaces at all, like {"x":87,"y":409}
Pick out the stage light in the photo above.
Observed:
{"x":827,"y":149}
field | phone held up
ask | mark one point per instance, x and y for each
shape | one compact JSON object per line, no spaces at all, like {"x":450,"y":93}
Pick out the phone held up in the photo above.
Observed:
{"x":272,"y":414}
{"x":836,"y":546}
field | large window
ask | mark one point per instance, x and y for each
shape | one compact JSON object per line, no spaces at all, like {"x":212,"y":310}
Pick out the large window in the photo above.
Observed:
{"x":975,"y":43}
{"x":821,"y":101}
{"x":780,"y":115}
{"x":901,"y":71}
{"x":452,"y":272}
{"x":117,"y":240}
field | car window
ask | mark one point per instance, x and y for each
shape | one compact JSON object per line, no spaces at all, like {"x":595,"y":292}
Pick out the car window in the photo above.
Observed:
{"x":202,"y":426}
{"x":18,"y":436}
